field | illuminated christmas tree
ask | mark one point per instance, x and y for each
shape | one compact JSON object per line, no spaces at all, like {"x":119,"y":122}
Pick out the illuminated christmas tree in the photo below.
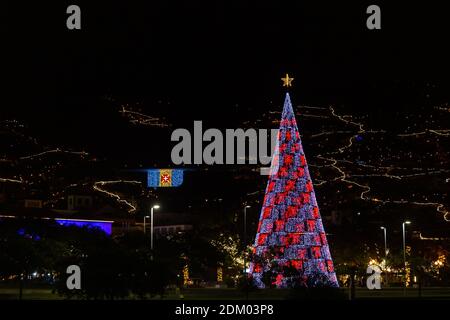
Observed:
{"x":291,"y":248}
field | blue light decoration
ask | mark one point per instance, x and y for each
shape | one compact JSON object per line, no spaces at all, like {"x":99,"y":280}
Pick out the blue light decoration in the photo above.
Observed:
{"x":105,"y":226}
{"x":291,"y":245}
{"x":164,"y":178}
{"x":22,"y":232}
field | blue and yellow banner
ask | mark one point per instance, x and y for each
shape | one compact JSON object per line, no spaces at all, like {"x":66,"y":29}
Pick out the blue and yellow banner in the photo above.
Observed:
{"x":164,"y":177}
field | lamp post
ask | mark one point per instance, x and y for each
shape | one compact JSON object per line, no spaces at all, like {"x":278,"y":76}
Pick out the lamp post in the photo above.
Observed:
{"x":385,"y":242}
{"x":404,"y":248}
{"x":245,"y":238}
{"x":385,"y":250}
{"x":145,"y":225}
{"x":151,"y":225}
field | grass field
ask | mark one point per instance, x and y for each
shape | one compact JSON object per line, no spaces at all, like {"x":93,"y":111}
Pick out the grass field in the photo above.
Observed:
{"x":233,"y":294}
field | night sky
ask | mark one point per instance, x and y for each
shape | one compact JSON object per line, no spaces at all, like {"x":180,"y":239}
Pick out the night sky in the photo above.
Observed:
{"x":200,"y":61}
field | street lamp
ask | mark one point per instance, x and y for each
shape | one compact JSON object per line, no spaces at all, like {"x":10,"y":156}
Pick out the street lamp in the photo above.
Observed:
{"x":404,"y":247}
{"x":145,"y":225}
{"x":385,"y":242}
{"x":151,"y":225}
{"x":245,"y":237}
{"x":385,"y":249}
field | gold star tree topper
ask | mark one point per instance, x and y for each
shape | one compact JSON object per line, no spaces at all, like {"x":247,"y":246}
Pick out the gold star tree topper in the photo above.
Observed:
{"x":287,"y":81}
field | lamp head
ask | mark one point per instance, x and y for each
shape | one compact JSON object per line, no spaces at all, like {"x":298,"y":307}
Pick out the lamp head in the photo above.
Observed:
{"x":156,"y":206}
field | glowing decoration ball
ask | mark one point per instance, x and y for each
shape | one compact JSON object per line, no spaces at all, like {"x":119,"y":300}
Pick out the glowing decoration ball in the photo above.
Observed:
{"x":291,"y":247}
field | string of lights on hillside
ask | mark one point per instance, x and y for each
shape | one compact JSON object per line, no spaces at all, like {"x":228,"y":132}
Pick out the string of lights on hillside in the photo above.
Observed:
{"x":38,"y":173}
{"x":98,"y":186}
{"x":140,"y":118}
{"x":57,"y":150}
{"x":11,"y":180}
{"x":31,"y":178}
{"x":344,"y":177}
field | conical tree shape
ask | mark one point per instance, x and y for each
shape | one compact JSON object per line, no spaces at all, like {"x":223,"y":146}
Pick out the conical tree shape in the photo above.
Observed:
{"x":291,"y":247}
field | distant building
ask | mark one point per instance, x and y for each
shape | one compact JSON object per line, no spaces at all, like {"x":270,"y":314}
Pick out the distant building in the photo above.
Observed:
{"x":166,"y":224}
{"x":172,"y":229}
{"x":79,"y":202}
{"x":31,"y":203}
{"x":82,"y":210}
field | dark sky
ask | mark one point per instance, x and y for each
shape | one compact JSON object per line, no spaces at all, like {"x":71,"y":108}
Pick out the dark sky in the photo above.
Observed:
{"x":204,"y":59}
